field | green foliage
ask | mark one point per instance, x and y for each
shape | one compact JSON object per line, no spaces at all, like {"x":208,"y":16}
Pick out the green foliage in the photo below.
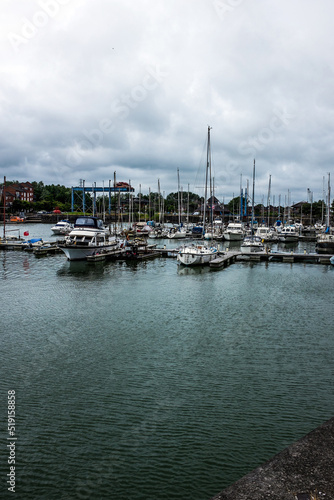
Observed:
{"x":171,"y":202}
{"x":234,"y":205}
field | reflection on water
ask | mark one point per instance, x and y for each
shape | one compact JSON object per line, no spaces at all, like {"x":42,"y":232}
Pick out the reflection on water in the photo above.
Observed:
{"x":81,"y":268}
{"x":192,"y":271}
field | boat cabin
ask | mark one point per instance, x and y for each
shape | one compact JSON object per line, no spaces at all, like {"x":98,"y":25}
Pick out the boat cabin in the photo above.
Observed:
{"x":89,"y":222}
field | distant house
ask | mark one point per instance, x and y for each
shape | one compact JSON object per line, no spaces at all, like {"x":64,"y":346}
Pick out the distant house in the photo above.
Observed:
{"x":219,"y":209}
{"x":27,"y":191}
{"x":22,"y":191}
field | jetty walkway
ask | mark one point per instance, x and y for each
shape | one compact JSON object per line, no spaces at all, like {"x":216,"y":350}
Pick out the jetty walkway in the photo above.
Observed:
{"x":225,"y":259}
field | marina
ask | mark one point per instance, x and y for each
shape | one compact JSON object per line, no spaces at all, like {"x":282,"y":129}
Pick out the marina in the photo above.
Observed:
{"x":144,"y":251}
{"x":138,"y":391}
{"x":167,"y":250}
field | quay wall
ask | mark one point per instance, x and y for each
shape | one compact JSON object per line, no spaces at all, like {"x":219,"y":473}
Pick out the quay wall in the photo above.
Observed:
{"x":303,"y":471}
{"x":109,"y":219}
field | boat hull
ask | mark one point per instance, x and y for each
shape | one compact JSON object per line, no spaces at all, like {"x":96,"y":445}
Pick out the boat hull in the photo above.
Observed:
{"x":196,"y":257}
{"x":78,"y":252}
{"x":176,"y":236}
{"x":325,"y":248}
{"x":248,"y":249}
{"x":233,"y":236}
{"x":289,"y":238}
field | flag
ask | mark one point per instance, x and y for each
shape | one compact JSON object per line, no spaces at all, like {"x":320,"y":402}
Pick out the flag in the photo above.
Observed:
{"x":26,"y":233}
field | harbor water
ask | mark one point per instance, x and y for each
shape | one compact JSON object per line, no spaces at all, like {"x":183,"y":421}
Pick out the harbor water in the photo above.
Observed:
{"x":151,"y":381}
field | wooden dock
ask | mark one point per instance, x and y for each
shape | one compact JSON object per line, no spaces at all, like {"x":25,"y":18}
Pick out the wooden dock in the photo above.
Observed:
{"x":102,"y":255}
{"x":288,"y":257}
{"x":225,"y":259}
{"x":222,"y":260}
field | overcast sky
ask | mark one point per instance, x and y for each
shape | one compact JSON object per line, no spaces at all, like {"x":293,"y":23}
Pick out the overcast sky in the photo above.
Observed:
{"x":90,"y":87}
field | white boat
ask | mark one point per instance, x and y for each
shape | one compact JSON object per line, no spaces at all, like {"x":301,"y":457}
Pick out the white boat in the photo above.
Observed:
{"x":325,"y":243}
{"x":177,"y":233}
{"x":266,"y":233}
{"x":251,"y":243}
{"x":194,"y":254}
{"x":62,"y":227}
{"x":88,"y":237}
{"x":141,"y":229}
{"x":10,"y":241}
{"x":288,"y":234}
{"x":234,"y":231}
{"x":157,"y":232}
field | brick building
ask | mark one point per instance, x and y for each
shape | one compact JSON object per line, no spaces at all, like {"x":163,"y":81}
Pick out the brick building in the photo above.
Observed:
{"x":22,"y":191}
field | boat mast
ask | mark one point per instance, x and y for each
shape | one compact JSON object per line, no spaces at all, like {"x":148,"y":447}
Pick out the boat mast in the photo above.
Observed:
{"x":103,"y":205}
{"x":328,"y":199}
{"x":159,"y":201}
{"x":208,"y":166}
{"x":115,"y":202}
{"x":139,"y":203}
{"x":268,"y":202}
{"x":163,"y":208}
{"x":178,"y":196}
{"x":253,"y":194}
{"x":130,"y":202}
{"x":4,"y":207}
{"x":323,"y":197}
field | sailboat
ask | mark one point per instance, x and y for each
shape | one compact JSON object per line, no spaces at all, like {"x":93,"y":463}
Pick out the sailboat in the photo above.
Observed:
{"x":178,"y":232}
{"x":252,"y":243}
{"x":195,"y":254}
{"x":325,"y":242}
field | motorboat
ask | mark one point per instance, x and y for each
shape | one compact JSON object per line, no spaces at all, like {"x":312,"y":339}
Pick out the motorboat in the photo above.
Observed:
{"x":252,"y":244}
{"x":234,"y":231}
{"x":158,"y":232}
{"x":33,"y":243}
{"x":87,"y":237}
{"x":325,"y":243}
{"x":288,"y":234}
{"x":266,"y":233}
{"x":62,"y":227}
{"x":139,"y":249}
{"x":176,"y":233}
{"x":16,"y":219}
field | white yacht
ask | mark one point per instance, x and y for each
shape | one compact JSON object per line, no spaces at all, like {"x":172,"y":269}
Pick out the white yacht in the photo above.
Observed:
{"x":266,"y":233}
{"x":288,"y":234}
{"x":177,"y":233}
{"x":87,"y":237}
{"x":234,"y":231}
{"x":252,"y":244}
{"x":192,"y":255}
{"x":62,"y":227}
